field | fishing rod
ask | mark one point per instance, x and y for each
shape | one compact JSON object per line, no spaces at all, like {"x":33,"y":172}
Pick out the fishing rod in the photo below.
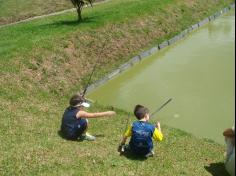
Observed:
{"x":85,"y":90}
{"x":162,"y":106}
{"x":127,"y":122}
{"x":121,"y":148}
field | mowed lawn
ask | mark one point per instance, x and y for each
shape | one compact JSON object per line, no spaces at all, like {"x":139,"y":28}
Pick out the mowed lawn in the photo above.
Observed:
{"x":12,"y":11}
{"x":33,"y":146}
{"x":45,"y":61}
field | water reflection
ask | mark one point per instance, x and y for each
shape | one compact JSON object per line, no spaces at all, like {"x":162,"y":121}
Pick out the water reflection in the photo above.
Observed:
{"x":223,"y":25}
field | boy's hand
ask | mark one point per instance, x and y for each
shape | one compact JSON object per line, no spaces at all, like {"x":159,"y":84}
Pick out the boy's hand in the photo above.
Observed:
{"x":158,"y":125}
{"x":111,"y":113}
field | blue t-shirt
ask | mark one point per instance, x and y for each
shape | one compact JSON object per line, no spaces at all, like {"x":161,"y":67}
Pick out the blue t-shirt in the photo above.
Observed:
{"x":70,"y":125}
{"x":141,"y":139}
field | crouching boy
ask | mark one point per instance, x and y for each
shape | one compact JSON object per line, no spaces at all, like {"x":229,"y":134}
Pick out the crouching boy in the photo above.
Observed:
{"x":74,"y":122}
{"x":142,"y":133}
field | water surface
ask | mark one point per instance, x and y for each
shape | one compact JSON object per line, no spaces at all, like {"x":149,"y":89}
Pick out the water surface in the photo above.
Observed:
{"x":197,"y":72}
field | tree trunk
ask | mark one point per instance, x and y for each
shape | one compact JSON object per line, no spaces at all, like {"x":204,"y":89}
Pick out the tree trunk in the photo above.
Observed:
{"x":79,"y":14}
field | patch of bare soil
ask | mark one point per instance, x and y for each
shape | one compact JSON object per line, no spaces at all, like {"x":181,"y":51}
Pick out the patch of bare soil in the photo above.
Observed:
{"x":76,"y":57}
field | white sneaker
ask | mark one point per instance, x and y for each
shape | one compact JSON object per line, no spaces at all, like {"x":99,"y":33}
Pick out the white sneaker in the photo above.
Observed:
{"x":88,"y":137}
{"x":150,"y":154}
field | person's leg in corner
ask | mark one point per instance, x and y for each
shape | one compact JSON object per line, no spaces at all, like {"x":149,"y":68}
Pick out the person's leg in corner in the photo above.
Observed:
{"x":82,"y":131}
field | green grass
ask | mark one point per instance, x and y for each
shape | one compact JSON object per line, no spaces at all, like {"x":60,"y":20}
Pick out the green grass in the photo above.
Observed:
{"x":126,"y":27}
{"x":45,"y":61}
{"x":35,"y":148}
{"x":12,"y":11}
{"x":18,"y":39}
{"x":23,"y":37}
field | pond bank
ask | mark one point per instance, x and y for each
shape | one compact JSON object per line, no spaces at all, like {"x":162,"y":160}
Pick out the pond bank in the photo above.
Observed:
{"x":44,"y":62}
{"x":158,"y":47}
{"x":197,"y":72}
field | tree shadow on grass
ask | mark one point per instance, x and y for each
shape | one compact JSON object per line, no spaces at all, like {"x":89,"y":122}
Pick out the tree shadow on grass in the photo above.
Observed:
{"x":217,"y":169}
{"x":72,"y":23}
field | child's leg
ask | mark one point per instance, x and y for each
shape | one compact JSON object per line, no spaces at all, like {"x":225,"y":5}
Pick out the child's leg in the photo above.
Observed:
{"x":82,"y":127}
{"x":83,"y":132}
{"x":150,"y":154}
{"x":124,"y":149}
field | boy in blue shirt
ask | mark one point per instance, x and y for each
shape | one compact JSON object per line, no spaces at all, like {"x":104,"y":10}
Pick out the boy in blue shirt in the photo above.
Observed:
{"x":142,"y":133}
{"x":74,"y":122}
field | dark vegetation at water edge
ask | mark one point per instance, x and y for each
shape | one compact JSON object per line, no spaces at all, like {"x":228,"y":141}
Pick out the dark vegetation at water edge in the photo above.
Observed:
{"x":43,"y":62}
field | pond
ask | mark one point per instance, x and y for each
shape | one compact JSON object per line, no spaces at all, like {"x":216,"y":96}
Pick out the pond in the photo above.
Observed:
{"x":197,"y":72}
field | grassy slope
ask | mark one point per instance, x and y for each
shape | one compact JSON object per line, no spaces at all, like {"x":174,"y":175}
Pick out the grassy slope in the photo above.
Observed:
{"x":53,"y":51}
{"x":36,"y":149}
{"x":12,"y":11}
{"x":38,"y":60}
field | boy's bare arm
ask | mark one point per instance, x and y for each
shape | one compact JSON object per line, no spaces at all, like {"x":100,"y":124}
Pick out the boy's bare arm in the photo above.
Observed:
{"x":158,"y":125}
{"x":85,"y":114}
{"x":123,"y":141}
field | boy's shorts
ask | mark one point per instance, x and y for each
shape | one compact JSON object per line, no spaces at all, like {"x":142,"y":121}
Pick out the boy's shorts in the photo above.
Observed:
{"x":79,"y":129}
{"x":138,"y":151}
{"x":128,"y":150}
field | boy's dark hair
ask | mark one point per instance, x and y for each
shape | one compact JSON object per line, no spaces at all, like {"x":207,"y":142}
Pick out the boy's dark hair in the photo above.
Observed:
{"x":76,"y":99}
{"x":140,"y":111}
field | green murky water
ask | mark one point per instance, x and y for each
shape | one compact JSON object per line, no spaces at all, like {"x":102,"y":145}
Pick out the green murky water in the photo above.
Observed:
{"x":197,"y":72}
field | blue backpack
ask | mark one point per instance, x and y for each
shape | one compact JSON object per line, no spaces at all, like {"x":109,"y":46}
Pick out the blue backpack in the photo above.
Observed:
{"x":141,"y":139}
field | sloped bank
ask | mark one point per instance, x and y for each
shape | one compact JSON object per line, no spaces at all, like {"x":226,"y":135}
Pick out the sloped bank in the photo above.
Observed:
{"x":31,"y":111}
{"x":160,"y":46}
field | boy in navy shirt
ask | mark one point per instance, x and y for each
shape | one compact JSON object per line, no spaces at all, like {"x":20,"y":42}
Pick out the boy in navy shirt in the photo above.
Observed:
{"x":142,"y":133}
{"x":74,"y":122}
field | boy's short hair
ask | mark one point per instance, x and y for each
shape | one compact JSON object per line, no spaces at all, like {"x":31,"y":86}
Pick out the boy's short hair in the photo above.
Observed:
{"x":140,"y":111}
{"x":76,"y":100}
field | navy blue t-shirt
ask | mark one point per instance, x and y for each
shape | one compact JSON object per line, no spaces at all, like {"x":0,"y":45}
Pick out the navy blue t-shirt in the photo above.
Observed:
{"x":71,"y":126}
{"x":141,"y":139}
